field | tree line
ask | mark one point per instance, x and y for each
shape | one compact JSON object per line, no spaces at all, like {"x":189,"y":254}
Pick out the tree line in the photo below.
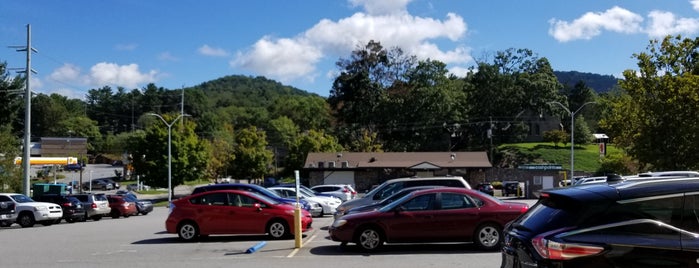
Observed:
{"x":381,"y":100}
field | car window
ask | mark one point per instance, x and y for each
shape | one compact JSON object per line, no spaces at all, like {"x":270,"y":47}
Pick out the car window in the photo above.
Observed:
{"x":20,"y":198}
{"x":389,"y":190}
{"x":456,"y":201}
{"x":215,"y":199}
{"x":420,"y":203}
{"x":4,"y":198}
{"x":100,"y":197}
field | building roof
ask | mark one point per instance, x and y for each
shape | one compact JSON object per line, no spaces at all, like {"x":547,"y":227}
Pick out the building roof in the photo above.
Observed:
{"x":417,"y":160}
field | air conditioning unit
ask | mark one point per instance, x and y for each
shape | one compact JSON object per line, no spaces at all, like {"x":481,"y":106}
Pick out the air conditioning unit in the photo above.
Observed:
{"x":321,"y":164}
{"x":331,"y":164}
{"x":345,"y":164}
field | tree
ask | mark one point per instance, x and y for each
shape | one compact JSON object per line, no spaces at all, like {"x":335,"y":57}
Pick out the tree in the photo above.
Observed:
{"x":11,"y":92}
{"x":556,"y":136}
{"x":311,"y":141}
{"x":150,"y":151}
{"x":252,"y":158}
{"x":10,"y":174}
{"x":222,"y":153}
{"x":654,"y":117}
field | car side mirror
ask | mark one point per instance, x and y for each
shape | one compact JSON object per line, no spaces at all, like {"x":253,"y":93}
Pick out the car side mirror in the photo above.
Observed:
{"x":257,"y":206}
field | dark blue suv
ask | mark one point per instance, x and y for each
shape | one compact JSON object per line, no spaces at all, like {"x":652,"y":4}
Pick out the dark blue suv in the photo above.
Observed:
{"x":252,"y":188}
{"x":632,"y":222}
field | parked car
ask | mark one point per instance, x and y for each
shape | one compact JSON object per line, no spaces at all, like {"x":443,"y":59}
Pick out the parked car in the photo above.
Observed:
{"x":256,"y":189}
{"x":511,"y":188}
{"x":621,"y":223}
{"x":28,"y":212}
{"x":73,"y":209}
{"x":115,"y":185}
{"x":486,"y":187}
{"x":121,"y":207}
{"x":142,"y":206}
{"x":212,"y":212}
{"x":444,"y":214}
{"x":343,"y":191}
{"x":134,"y":187}
{"x":328,"y":204}
{"x":389,"y":199}
{"x":97,"y":184}
{"x":96,"y":205}
{"x":7,"y":211}
{"x":391,"y":187}
{"x":73,"y":167}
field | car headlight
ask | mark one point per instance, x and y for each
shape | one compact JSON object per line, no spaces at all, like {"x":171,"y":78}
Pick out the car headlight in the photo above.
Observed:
{"x":339,"y":223}
{"x":41,"y":208}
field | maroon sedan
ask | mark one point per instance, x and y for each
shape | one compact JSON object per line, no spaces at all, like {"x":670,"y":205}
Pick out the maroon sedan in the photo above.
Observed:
{"x":436,"y":215}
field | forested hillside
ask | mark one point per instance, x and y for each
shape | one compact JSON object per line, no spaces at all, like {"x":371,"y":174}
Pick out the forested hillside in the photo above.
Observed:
{"x":600,"y":83}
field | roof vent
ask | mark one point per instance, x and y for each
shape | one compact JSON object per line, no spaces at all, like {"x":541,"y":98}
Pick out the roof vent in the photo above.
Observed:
{"x":345,"y":164}
{"x":331,"y":164}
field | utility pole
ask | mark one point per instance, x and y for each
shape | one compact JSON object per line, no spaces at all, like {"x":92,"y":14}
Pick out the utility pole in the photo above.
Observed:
{"x":27,"y":109}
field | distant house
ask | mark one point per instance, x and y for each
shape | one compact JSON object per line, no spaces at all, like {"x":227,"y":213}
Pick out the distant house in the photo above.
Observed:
{"x":364,"y":170}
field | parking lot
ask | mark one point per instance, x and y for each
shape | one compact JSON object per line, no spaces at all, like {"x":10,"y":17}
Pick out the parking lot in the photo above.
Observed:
{"x":140,"y":241}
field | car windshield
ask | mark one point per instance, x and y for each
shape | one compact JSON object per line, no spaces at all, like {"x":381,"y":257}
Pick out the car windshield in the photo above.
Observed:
{"x":306,"y":191}
{"x":267,"y":192}
{"x":20,"y":198}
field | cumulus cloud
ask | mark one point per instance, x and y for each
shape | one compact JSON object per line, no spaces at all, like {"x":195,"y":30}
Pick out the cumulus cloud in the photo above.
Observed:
{"x":665,"y":23}
{"x":128,"y":76}
{"x":101,"y":74}
{"x":206,"y":50}
{"x":591,"y":24}
{"x":384,"y":21}
{"x":616,"y":19}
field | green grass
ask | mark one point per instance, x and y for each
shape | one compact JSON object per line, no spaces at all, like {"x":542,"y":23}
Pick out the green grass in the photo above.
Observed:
{"x":587,"y":157}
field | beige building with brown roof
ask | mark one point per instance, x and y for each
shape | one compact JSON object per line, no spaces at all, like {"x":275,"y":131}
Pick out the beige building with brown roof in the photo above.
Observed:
{"x":364,"y":170}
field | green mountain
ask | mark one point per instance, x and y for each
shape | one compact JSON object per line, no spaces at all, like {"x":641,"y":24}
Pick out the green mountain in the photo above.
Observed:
{"x":600,"y":83}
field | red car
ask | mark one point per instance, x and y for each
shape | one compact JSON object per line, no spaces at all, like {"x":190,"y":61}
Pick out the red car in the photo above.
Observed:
{"x":444,"y":214}
{"x":121,"y":207}
{"x":232,"y":212}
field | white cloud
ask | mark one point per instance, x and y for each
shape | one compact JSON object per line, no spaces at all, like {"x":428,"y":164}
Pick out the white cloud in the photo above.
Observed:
{"x":285,"y":59}
{"x":68,"y":73}
{"x":665,"y":23}
{"x":591,"y":24}
{"x":384,"y":21}
{"x":695,"y":4}
{"x":206,"y":50}
{"x":128,"y":76}
{"x":459,"y":71}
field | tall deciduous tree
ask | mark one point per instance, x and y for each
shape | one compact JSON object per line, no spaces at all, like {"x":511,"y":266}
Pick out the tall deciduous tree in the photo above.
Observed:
{"x":11,"y":89}
{"x":655,"y":116}
{"x":150,"y":152}
{"x":252,"y":158}
{"x":311,"y":141}
{"x":10,"y":174}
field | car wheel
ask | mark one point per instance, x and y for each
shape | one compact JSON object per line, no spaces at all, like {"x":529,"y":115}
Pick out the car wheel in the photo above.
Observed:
{"x":277,"y":229}
{"x":370,"y":239}
{"x":114,"y":214}
{"x":26,"y":220}
{"x":488,"y":237}
{"x":47,"y":223}
{"x":188,"y":231}
{"x":70,"y":220}
{"x":144,"y":213}
{"x":96,"y":217}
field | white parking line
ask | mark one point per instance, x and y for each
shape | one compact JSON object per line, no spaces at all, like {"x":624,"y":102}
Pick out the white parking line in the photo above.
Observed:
{"x":293,"y":252}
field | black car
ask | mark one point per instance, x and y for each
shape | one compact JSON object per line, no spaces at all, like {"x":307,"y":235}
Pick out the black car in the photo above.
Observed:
{"x":73,"y":209}
{"x":486,"y":187}
{"x":73,"y":167}
{"x":619,"y":223}
{"x":143,"y":206}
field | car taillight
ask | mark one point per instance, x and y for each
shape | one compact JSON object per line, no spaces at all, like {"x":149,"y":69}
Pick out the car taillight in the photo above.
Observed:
{"x":94,"y":205}
{"x":67,"y":204}
{"x":344,"y":190}
{"x":125,"y":205}
{"x":562,"y":251}
{"x":524,"y":209}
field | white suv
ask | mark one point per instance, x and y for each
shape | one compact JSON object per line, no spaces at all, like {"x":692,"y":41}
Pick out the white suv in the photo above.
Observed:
{"x":30,"y":212}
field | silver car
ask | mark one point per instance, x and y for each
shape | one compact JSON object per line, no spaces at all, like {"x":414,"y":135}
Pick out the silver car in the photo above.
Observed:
{"x":96,"y":205}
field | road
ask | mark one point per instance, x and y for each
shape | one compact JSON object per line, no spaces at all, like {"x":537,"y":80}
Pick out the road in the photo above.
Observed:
{"x":140,"y":241}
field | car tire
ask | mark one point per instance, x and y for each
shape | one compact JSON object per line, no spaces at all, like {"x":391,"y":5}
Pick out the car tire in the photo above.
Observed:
{"x":96,"y":217}
{"x":114,"y":214}
{"x":188,"y":231}
{"x":144,"y":213}
{"x":370,"y":239}
{"x":25,"y":220}
{"x":47,"y":223}
{"x":278,"y":229}
{"x":70,"y":220}
{"x":488,"y":237}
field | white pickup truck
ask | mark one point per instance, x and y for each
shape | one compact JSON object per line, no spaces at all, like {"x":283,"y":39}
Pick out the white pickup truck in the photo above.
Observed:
{"x":28,"y":212}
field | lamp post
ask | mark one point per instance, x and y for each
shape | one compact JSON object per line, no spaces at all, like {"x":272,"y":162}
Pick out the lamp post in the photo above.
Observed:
{"x":169,"y":153}
{"x":572,"y":133}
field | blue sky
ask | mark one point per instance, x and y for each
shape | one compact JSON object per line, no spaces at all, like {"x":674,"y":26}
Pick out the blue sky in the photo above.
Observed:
{"x":87,"y":44}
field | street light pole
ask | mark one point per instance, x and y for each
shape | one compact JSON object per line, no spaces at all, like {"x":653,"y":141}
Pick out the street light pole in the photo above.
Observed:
{"x":169,"y":153}
{"x":572,"y":133}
